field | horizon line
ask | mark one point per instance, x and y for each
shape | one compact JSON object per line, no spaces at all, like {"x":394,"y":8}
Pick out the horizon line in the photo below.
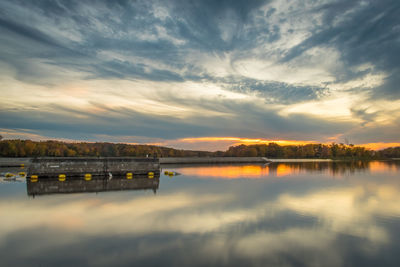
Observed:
{"x":236,"y":141}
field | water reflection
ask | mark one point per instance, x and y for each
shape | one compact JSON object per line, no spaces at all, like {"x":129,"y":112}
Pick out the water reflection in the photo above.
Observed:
{"x":335,"y":169}
{"x":306,"y":221}
{"x":46,"y":186}
{"x":384,"y":166}
{"x":226,"y":172}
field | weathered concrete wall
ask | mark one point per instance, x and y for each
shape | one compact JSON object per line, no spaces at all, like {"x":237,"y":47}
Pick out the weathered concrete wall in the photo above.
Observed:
{"x":72,"y":167}
{"x":14,"y":162}
{"x":213,"y":160}
{"x":53,"y":186}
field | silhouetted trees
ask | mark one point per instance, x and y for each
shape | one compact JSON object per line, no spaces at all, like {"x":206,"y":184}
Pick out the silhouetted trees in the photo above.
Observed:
{"x":391,"y":152}
{"x":273,"y":150}
{"x":28,"y":148}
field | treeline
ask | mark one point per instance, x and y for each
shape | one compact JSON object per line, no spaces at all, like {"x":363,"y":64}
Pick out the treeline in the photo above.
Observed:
{"x":28,"y":148}
{"x":321,"y":151}
{"x":391,"y":152}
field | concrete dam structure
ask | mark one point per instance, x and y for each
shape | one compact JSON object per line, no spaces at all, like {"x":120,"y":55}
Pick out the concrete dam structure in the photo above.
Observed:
{"x":85,"y":167}
{"x":86,"y":174}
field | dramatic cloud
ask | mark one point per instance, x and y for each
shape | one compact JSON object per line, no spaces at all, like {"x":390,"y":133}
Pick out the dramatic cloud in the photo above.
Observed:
{"x":167,"y":70}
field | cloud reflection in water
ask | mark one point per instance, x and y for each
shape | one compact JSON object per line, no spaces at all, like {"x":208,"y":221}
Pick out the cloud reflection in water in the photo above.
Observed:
{"x":312,"y":220}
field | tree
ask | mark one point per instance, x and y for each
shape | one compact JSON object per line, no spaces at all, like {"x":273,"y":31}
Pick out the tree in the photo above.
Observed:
{"x":251,"y":152}
{"x":28,"y":148}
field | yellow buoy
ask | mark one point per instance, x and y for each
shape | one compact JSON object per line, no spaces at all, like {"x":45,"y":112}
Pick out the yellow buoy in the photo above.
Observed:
{"x":9,"y":175}
{"x":22,"y":165}
{"x":129,"y":175}
{"x":34,"y":178}
{"x":21,"y":174}
{"x":62,"y":177}
{"x":151,"y":176}
{"x":88,"y":177}
{"x":150,"y":173}
{"x":166,"y":172}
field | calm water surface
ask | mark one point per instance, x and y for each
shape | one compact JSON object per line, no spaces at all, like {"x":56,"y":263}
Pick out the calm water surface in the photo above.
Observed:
{"x":282,"y":214}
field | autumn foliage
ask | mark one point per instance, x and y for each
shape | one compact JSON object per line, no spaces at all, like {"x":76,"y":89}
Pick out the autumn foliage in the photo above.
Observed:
{"x":28,"y":148}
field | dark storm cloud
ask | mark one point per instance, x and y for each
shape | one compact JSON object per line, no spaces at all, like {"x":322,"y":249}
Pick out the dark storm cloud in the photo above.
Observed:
{"x":125,"y":122}
{"x":369,"y":133}
{"x":199,"y":21}
{"x":23,"y":43}
{"x":128,"y":27}
{"x":274,"y":92}
{"x":363,"y":32}
{"x":244,"y":120}
{"x":27,"y":32}
{"x":363,"y":114}
{"x":127,"y":70}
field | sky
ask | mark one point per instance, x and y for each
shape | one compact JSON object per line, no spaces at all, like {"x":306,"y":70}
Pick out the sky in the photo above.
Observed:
{"x":201,"y":74}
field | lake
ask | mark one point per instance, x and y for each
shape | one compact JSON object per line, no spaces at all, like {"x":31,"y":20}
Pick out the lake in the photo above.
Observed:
{"x":280,"y":214}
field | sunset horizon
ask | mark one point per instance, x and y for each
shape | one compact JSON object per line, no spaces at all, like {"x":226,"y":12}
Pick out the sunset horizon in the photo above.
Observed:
{"x":199,"y":133}
{"x":209,"y":143}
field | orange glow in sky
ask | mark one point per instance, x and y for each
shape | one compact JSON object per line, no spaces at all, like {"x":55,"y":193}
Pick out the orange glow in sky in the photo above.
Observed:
{"x":247,"y":141}
{"x":193,"y":143}
{"x":378,"y":146}
{"x":253,"y":141}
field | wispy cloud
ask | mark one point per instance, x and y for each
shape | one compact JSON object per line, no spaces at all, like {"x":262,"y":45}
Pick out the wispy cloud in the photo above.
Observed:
{"x":178,"y":69}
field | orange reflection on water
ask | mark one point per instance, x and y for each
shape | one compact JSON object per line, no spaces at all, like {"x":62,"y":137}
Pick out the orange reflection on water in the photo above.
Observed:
{"x":227,"y":172}
{"x":284,"y":169}
{"x":334,"y":169}
{"x":381,"y":166}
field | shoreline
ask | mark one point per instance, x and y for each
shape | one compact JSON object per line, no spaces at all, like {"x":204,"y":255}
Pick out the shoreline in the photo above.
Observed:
{"x":304,"y":160}
{"x":17,"y":162}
